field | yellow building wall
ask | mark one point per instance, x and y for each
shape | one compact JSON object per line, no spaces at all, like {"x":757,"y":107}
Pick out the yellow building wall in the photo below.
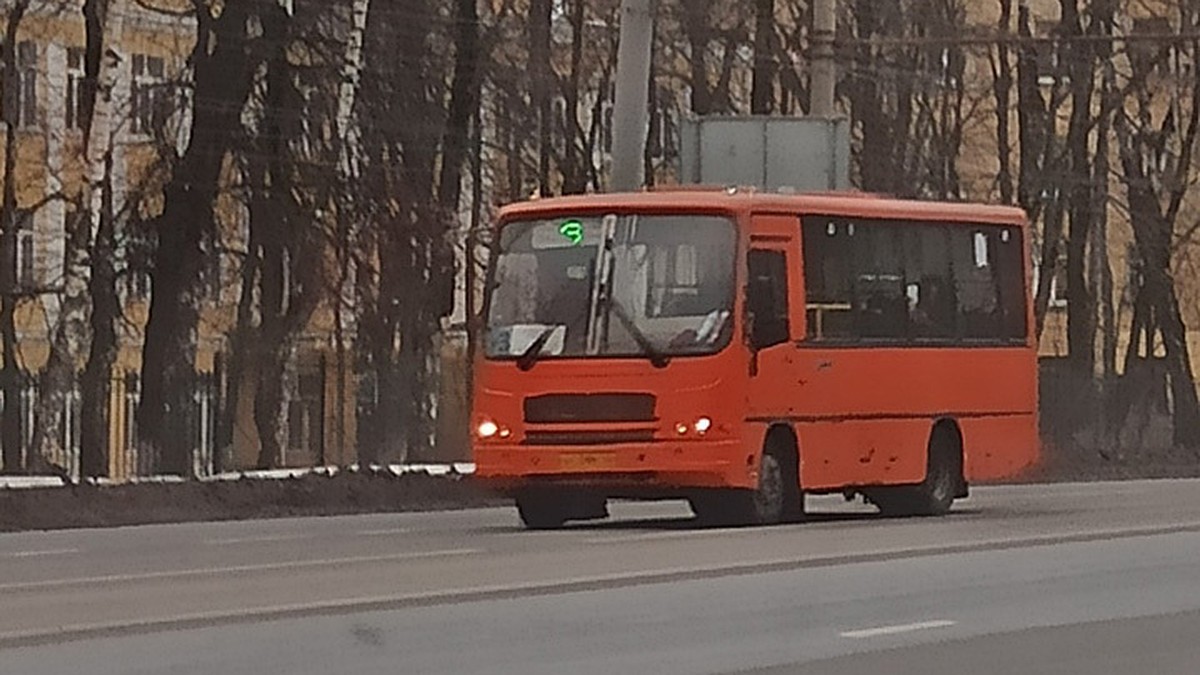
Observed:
{"x":143,"y":177}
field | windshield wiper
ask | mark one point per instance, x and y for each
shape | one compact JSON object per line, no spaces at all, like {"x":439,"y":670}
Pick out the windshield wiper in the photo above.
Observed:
{"x":657,"y":358}
{"x":529,"y":357}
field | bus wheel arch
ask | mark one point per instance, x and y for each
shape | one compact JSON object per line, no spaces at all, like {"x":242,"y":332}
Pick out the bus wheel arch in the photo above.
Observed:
{"x":946,"y":444}
{"x":783,"y":444}
{"x":777,"y":498}
{"x":943,"y":481}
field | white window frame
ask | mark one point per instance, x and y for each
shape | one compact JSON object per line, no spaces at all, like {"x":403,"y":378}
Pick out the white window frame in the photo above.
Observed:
{"x":76,"y":75}
{"x":146,"y":93}
{"x":25,"y":112}
{"x":26,"y":258}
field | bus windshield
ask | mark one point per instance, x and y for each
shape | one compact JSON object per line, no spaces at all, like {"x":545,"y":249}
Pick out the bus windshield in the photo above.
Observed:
{"x":652,"y":286}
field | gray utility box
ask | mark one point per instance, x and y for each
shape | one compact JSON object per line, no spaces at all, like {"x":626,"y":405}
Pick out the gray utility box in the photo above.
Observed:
{"x":803,"y":154}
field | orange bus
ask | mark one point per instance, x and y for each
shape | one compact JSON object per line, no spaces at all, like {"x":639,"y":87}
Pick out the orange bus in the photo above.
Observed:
{"x":740,"y":349}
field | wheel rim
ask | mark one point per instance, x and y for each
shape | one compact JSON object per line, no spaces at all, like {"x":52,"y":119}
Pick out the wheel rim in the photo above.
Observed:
{"x":941,"y":487}
{"x":768,"y":499}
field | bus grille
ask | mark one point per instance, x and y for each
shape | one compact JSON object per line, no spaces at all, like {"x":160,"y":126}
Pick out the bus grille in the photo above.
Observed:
{"x":589,"y":437}
{"x":589,"y":408}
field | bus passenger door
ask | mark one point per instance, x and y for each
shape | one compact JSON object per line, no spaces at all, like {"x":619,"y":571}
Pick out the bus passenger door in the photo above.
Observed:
{"x":775,"y":325}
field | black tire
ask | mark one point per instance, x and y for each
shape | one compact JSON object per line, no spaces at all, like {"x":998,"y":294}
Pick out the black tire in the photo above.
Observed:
{"x":541,"y":511}
{"x":943,"y":481}
{"x":768,"y":503}
{"x":775,"y":500}
{"x":550,"y":510}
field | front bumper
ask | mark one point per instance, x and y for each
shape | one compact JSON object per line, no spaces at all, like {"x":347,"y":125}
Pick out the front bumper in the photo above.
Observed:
{"x":650,"y":468}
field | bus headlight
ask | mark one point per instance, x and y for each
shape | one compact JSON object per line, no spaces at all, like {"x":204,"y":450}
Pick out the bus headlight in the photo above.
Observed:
{"x":703,"y":425}
{"x":487,"y":429}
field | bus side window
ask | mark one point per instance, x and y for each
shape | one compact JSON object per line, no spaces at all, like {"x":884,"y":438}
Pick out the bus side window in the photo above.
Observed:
{"x":768,"y":298}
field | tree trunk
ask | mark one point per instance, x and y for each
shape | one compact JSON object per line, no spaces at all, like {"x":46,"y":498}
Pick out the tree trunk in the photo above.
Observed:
{"x":1179,"y":364}
{"x":241,"y":346}
{"x":695,"y":21}
{"x":1081,"y":329}
{"x":762,"y":94}
{"x":1153,"y":234}
{"x":95,"y":384}
{"x":97,"y":375}
{"x":291,"y":265}
{"x":1101,"y":263}
{"x":464,"y":99}
{"x":576,"y":165}
{"x":1052,"y":231}
{"x":11,"y":376}
{"x":1033,"y":119}
{"x":542,"y":71}
{"x":222,"y":81}
{"x":1002,"y":84}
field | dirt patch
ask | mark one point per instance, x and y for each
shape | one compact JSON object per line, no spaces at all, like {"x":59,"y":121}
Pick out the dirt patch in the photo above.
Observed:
{"x":345,"y":493}
{"x":1085,"y":463}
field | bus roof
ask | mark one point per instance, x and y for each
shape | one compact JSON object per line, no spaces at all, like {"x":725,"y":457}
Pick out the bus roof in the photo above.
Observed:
{"x":691,"y":198}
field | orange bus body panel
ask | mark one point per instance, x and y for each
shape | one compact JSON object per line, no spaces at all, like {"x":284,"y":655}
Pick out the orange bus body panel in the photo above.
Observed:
{"x":862,"y":415}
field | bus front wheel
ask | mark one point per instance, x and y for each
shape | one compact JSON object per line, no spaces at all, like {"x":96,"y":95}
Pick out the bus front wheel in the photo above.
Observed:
{"x":770,"y":503}
{"x":550,"y":510}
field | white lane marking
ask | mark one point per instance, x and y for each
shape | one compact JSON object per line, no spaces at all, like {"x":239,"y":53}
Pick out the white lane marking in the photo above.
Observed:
{"x":897,"y":630}
{"x":385,"y":533}
{"x":265,"y":539}
{"x":40,"y":554}
{"x":215,"y":571}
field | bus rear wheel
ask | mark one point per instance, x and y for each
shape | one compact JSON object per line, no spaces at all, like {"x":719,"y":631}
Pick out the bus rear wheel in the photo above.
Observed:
{"x":943,"y":481}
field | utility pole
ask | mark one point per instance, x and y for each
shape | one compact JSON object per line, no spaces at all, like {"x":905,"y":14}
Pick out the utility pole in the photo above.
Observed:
{"x":631,"y":115}
{"x":824,"y":72}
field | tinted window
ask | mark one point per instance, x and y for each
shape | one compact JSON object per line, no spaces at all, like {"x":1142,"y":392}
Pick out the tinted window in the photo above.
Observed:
{"x":913,"y":282}
{"x":929,"y":285}
{"x":768,"y":298}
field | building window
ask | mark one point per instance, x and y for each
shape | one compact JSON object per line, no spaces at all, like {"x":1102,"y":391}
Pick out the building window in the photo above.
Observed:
{"x":149,"y":96}
{"x":138,"y":284}
{"x":1148,"y":50}
{"x":75,"y":79}
{"x":1058,"y":283}
{"x":952,"y":67}
{"x":661,"y":142}
{"x":26,"y":258}
{"x":1048,"y":71}
{"x":1058,"y":287}
{"x":21,"y":98}
{"x":306,"y":424}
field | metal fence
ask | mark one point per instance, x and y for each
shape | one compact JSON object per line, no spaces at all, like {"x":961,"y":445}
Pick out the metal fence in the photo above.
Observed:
{"x":125,"y":460}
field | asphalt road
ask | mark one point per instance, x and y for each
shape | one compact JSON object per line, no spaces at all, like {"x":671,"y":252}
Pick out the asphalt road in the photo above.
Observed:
{"x":1065,"y":579}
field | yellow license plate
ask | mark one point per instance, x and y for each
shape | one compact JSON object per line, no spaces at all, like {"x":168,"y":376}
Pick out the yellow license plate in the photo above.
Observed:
{"x":588,"y":461}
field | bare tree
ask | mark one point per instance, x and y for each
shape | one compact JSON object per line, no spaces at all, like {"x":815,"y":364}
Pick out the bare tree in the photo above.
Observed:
{"x":104,"y":22}
{"x":908,"y":102}
{"x":11,"y":220}
{"x":405,"y":277}
{"x":222,"y":75}
{"x":762,"y":97}
{"x":1148,"y":134}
